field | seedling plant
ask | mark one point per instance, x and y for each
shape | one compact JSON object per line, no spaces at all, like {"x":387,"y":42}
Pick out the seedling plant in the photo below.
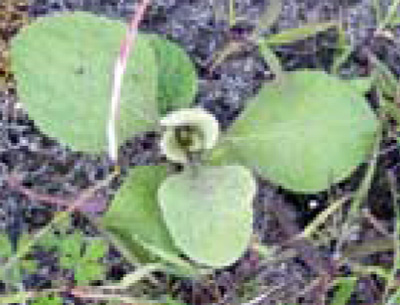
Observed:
{"x":304,"y":132}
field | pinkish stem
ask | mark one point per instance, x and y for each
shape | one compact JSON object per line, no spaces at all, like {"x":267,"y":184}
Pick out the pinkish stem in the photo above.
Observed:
{"x":119,"y":71}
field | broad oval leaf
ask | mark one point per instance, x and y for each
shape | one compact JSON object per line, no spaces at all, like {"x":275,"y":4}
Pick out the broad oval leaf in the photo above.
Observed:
{"x":306,"y":134}
{"x":177,"y":78}
{"x":134,"y":215}
{"x":64,"y":68}
{"x":208,"y":211}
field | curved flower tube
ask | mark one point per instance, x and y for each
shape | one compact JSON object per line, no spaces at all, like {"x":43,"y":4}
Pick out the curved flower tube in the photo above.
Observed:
{"x":188,"y":130}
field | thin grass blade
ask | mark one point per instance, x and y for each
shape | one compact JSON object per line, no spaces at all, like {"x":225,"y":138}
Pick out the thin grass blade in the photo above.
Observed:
{"x":292,"y":35}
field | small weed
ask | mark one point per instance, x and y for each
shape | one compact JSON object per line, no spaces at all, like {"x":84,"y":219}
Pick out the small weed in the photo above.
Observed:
{"x":77,"y":253}
{"x":48,"y":300}
{"x":25,"y":265}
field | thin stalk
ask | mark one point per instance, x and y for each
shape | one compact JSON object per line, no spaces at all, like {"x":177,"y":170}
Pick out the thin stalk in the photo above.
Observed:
{"x":232,"y":13}
{"x":359,"y":196}
{"x":391,"y":281}
{"x":119,"y":71}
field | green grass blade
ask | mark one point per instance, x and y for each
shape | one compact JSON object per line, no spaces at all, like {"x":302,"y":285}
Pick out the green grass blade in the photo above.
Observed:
{"x":393,"y":9}
{"x":272,"y":61}
{"x":385,"y":80}
{"x":391,"y":281}
{"x":269,"y":17}
{"x":232,"y":13}
{"x":292,"y":35}
{"x":360,"y":194}
{"x":344,"y":50}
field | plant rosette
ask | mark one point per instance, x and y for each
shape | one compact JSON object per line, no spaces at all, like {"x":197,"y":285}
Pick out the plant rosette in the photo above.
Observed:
{"x":304,"y":133}
{"x":195,"y":208}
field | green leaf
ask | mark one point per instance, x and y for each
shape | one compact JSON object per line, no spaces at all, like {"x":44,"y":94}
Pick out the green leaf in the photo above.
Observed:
{"x":87,"y":267}
{"x":64,"y":68}
{"x":52,"y":299}
{"x":292,"y":35}
{"x":70,"y":249}
{"x":6,"y":252}
{"x":134,"y":213}
{"x":305,"y":135}
{"x":345,"y":287}
{"x":174,"y":263}
{"x":86,"y":272}
{"x":361,"y":84}
{"x":208,"y":211}
{"x":95,"y":250}
{"x":177,"y":78}
{"x":5,"y":247}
